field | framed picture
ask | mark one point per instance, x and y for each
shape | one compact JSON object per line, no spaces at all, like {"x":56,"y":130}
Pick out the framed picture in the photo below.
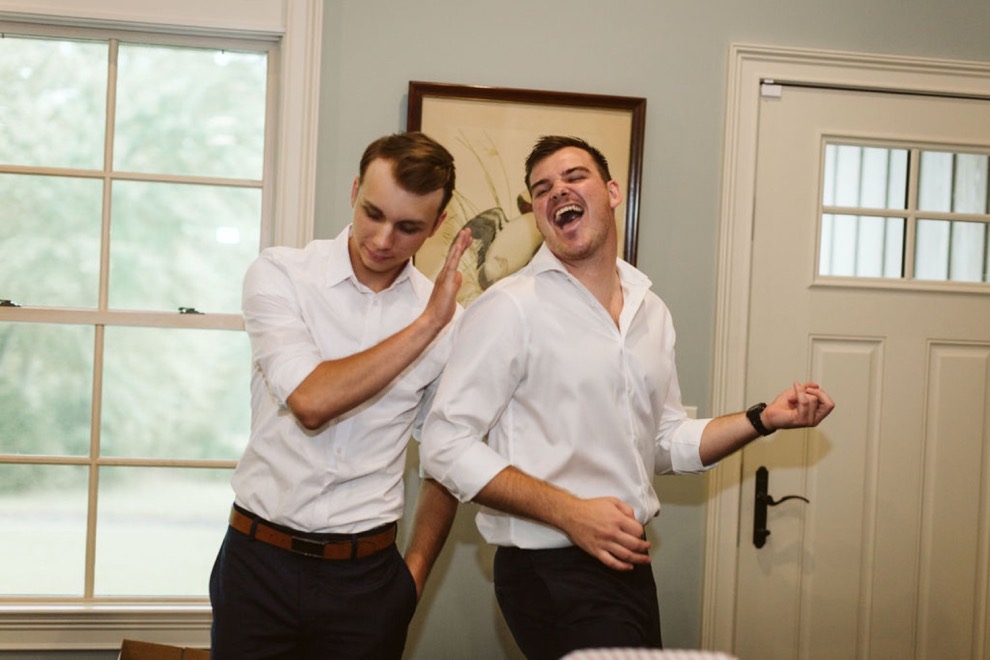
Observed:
{"x":490,"y":131}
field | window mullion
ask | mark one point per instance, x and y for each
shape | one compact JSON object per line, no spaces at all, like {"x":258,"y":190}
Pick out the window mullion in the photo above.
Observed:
{"x":103,"y":298}
{"x":107,"y":171}
{"x":91,"y":509}
{"x":911,"y":216}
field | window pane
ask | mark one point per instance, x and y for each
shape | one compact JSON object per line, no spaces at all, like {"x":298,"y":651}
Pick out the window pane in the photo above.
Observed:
{"x":861,"y":246}
{"x":865,"y":177}
{"x":968,"y":262}
{"x":158,"y":530}
{"x":175,"y":393}
{"x":935,"y":182}
{"x":53,"y":104}
{"x":176,"y":245}
{"x":953,"y":182}
{"x":46,"y":385}
{"x":43,"y":543}
{"x":970,"y":192}
{"x":931,"y":260}
{"x":190,"y":111}
{"x":50,"y":240}
{"x":951,"y":250}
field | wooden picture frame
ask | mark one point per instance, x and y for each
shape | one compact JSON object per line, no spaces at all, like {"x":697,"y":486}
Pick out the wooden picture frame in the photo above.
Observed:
{"x":490,"y":131}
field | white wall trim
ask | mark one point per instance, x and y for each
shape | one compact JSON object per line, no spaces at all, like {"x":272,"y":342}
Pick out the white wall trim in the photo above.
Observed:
{"x":253,"y":17}
{"x":102,"y":627}
{"x":295,"y":192}
{"x":747,"y":66}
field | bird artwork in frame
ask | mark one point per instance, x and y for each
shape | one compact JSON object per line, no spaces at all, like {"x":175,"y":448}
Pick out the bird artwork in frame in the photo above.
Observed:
{"x":490,"y":131}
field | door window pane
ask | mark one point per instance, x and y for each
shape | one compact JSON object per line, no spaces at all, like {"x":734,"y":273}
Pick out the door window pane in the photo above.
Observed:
{"x":46,"y":386}
{"x":53,"y":103}
{"x":179,"y":245}
{"x":151,"y":518}
{"x":970,"y":184}
{"x":861,"y":246}
{"x":952,"y":251}
{"x":175,"y":393}
{"x":50,"y":239}
{"x":953,"y":182}
{"x":875,"y":243}
{"x":190,"y":111}
{"x":43,"y":543}
{"x":865,"y":177}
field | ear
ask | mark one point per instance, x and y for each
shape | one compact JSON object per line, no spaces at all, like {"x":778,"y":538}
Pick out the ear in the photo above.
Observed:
{"x":436,"y":225}
{"x":614,"y":194}
{"x":354,"y":189}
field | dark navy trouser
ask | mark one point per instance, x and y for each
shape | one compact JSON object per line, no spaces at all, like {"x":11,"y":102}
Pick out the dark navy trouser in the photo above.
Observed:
{"x":561,"y":600}
{"x":272,"y":603}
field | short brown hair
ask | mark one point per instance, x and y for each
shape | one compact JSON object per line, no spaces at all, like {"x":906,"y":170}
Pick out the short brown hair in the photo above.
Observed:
{"x":548,"y":145}
{"x":420,"y":164}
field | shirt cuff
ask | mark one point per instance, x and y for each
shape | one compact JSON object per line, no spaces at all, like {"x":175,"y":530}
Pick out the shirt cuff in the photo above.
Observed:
{"x":681,"y":451}
{"x":476,"y":465}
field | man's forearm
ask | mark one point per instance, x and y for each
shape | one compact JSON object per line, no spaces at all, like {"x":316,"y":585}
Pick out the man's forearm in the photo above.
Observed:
{"x":517,"y":493}
{"x":336,"y":386}
{"x":604,"y":527}
{"x":725,"y":435}
{"x":435,"y":511}
{"x":802,"y":405}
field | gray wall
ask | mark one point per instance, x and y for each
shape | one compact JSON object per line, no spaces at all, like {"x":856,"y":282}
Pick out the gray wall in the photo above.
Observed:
{"x":673,"y":52}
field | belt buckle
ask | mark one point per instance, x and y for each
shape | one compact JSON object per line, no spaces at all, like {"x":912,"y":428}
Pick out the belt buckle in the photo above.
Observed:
{"x":307,"y":547}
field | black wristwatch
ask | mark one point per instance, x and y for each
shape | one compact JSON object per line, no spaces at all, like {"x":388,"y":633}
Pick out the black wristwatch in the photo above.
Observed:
{"x":753,"y":415}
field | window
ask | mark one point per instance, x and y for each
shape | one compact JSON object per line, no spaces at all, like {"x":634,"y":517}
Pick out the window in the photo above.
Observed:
{"x":137,"y":180}
{"x":910,"y":214}
{"x":132,"y":180}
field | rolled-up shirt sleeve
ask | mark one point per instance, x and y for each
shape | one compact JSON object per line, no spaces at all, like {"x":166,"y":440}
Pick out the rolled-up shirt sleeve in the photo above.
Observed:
{"x":486,"y":364}
{"x":282,"y":346}
{"x":678,"y":440}
{"x":678,"y":450}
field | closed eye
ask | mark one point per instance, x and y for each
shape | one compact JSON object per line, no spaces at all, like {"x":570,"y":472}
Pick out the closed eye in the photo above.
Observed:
{"x":410,"y":228}
{"x":373,"y":212}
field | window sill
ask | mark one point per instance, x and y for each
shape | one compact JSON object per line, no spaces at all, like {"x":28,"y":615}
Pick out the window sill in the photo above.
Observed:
{"x":102,"y":626}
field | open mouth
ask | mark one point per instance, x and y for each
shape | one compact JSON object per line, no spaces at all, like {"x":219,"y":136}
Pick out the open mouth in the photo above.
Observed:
{"x":565,"y":215}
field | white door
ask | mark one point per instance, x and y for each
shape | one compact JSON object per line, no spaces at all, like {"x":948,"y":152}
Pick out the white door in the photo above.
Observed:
{"x":891,"y":557}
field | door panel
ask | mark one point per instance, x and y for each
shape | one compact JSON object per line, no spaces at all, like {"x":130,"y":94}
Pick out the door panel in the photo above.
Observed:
{"x":891,"y":557}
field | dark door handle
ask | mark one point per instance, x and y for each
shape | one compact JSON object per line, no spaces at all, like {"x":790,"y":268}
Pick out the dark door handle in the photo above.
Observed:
{"x":762,"y":501}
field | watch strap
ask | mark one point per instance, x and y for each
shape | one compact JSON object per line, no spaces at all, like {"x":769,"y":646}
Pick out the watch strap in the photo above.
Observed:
{"x":753,"y":415}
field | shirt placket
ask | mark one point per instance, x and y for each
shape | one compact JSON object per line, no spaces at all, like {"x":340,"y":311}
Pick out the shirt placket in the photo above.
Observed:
{"x":633,"y":427}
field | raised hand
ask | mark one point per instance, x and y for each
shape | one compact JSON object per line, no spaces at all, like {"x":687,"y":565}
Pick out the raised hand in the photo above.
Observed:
{"x":443,"y":301}
{"x":802,"y":405}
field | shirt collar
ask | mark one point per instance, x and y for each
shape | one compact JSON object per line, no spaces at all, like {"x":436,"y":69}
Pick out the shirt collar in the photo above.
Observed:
{"x":632,"y":279}
{"x":339,"y":266}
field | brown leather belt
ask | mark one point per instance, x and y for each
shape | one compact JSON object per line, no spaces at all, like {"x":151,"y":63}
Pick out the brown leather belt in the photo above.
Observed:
{"x":352,"y":548}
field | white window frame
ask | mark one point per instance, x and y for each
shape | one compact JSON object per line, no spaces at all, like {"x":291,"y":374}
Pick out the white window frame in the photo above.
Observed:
{"x":910,"y":213}
{"x":297,"y":25}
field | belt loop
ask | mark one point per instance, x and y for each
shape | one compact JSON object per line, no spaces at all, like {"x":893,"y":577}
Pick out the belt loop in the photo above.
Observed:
{"x":254,"y":528}
{"x":354,"y":548}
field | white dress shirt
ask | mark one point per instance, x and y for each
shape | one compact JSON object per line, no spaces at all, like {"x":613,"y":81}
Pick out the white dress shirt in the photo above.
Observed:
{"x":301,"y":307}
{"x":563,"y":394}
